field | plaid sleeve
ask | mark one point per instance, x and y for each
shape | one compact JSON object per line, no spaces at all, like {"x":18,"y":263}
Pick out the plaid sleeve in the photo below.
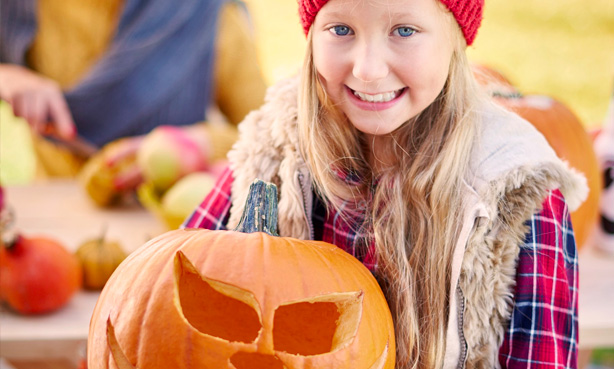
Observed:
{"x":214,"y":211}
{"x":543,"y":331}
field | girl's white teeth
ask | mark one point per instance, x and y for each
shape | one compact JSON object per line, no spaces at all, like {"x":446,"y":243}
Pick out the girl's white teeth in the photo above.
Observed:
{"x":385,"y":97}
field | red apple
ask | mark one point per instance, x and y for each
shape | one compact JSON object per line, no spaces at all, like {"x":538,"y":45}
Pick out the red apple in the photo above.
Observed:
{"x":168,"y":153}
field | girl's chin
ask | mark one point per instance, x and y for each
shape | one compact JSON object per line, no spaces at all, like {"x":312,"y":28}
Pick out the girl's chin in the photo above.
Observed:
{"x":376,"y":123}
{"x":376,"y":128}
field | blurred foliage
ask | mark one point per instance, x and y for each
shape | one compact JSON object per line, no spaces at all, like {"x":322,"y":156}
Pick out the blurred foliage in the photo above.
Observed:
{"x":560,"y":48}
{"x":603,"y":358}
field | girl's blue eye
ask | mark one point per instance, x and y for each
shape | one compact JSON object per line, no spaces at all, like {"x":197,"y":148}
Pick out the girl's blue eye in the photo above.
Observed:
{"x":405,"y":31}
{"x":341,"y":30}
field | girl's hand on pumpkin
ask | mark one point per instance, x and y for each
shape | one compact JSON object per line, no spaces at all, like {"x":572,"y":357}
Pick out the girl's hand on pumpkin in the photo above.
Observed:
{"x":37,"y":99}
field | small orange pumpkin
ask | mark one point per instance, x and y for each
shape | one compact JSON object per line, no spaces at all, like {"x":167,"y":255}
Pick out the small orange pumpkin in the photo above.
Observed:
{"x":228,"y":299}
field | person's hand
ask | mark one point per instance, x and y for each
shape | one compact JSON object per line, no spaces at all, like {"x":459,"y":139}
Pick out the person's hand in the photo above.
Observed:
{"x":37,"y":99}
{"x":113,"y":172}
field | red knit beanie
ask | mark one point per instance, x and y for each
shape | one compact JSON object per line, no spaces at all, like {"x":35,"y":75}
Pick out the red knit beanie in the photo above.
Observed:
{"x":468,"y":14}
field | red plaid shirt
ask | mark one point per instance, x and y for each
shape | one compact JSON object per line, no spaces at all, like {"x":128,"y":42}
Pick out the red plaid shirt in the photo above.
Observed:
{"x":543,"y":331}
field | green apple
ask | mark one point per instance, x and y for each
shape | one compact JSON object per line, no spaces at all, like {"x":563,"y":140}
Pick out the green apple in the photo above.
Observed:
{"x":183,"y":197}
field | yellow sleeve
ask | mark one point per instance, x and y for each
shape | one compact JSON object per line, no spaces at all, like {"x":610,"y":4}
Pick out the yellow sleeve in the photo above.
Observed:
{"x":239,"y":82}
{"x":72,"y":36}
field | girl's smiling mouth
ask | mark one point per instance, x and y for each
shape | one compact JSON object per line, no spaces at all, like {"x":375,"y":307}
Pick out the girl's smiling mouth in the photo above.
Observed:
{"x":379,"y":101}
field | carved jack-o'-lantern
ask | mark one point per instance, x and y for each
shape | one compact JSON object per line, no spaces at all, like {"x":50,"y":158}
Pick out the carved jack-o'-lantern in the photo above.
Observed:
{"x":229,"y":299}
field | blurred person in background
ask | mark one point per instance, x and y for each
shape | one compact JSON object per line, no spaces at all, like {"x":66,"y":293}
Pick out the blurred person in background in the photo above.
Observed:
{"x":91,"y":77}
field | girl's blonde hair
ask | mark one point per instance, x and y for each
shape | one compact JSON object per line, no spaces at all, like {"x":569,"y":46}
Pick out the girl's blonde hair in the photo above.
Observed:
{"x":414,"y":211}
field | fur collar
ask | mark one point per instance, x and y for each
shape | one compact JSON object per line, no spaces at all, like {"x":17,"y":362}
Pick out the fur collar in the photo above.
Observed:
{"x":268,"y":149}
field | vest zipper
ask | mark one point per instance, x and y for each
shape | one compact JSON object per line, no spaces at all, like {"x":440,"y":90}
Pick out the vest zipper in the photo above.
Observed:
{"x":461,"y":333}
{"x":304,"y":189}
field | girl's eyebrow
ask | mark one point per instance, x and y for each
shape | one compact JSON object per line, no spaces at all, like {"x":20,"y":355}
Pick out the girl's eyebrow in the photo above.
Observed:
{"x":335,"y":14}
{"x":405,"y":12}
{"x":396,"y":13}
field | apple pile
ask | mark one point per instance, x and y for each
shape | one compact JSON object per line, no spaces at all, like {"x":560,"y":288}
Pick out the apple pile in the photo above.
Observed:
{"x":177,"y":172}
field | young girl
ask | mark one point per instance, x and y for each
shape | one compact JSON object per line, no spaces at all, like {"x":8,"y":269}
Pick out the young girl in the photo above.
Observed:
{"x":386,"y":148}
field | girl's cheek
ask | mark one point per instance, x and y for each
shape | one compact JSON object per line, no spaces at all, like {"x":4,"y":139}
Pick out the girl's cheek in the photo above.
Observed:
{"x":330,"y":58}
{"x":335,"y":67}
{"x":324,"y":65}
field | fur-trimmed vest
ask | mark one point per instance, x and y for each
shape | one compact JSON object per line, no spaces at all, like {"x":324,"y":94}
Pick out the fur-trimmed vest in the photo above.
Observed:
{"x":512,"y":170}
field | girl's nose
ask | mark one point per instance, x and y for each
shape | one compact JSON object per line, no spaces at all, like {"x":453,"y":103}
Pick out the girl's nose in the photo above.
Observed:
{"x":370,"y":63}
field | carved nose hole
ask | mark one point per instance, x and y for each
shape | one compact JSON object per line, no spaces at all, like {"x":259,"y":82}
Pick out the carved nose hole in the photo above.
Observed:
{"x":248,"y":360}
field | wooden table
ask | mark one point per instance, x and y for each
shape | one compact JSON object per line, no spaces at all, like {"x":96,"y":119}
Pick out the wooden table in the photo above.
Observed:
{"x":596,"y":298}
{"x":60,"y":209}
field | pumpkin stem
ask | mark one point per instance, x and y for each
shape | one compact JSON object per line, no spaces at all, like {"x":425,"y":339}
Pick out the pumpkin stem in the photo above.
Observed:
{"x":260,"y":213}
{"x":507,"y":95}
{"x":103,"y":234}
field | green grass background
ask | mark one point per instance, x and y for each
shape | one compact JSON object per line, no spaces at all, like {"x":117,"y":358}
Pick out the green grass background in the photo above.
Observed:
{"x":560,"y":48}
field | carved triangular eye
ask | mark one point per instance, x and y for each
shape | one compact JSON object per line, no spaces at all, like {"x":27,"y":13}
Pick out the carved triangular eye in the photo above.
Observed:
{"x":215,"y":308}
{"x":317,"y":325}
